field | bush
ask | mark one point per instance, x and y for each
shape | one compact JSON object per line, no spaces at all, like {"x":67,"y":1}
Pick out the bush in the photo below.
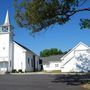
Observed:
{"x":7,"y":72}
{"x":14,"y":71}
{"x":20,"y":70}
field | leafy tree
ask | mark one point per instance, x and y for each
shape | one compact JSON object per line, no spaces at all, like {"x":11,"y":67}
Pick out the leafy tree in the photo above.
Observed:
{"x":48,"y":52}
{"x":65,"y":52}
{"x":37,"y":15}
{"x":45,"y":53}
{"x":85,"y":23}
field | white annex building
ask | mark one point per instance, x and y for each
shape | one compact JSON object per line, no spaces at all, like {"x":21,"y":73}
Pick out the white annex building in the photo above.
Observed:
{"x":76,"y":60}
{"x":14,"y":56}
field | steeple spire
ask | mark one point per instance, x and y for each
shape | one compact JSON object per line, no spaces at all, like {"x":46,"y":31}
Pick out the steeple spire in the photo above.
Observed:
{"x":7,"y":20}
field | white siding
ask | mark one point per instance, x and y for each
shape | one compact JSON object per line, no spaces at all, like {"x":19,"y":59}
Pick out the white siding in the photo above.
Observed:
{"x":69,"y":66}
{"x":4,"y":46}
{"x":51,"y":65}
{"x":5,"y":50}
{"x":30,"y":56}
{"x":19,"y":57}
{"x":38,"y":67}
{"x":69,"y":61}
{"x":72,"y":53}
{"x":23,"y":59}
{"x":29,"y":64}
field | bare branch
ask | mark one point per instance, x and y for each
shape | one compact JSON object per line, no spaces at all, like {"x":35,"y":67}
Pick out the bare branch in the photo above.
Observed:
{"x":75,"y":11}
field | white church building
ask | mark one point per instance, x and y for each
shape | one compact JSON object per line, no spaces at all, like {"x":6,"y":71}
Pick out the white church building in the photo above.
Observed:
{"x":14,"y":56}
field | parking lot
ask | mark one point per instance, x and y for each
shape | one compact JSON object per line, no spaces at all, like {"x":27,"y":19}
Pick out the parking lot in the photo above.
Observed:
{"x":33,"y":82}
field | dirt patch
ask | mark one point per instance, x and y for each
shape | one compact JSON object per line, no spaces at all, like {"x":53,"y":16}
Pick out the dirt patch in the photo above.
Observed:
{"x":86,"y":86}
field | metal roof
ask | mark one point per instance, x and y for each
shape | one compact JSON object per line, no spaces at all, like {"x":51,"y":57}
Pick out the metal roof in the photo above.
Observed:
{"x":25,"y":48}
{"x":52,"y":58}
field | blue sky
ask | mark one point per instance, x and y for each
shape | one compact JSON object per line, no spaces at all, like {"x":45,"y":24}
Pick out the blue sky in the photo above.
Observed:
{"x":62,"y":37}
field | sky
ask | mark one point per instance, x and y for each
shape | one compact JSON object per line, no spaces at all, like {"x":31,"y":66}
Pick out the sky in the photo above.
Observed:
{"x":62,"y":37}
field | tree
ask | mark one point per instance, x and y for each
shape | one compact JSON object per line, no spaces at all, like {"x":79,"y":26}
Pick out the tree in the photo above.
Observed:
{"x":45,"y":53}
{"x":65,"y":52}
{"x":37,"y":15}
{"x":52,"y":51}
{"x":85,"y":23}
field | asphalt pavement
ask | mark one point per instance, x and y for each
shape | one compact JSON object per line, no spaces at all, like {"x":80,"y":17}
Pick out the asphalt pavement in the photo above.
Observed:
{"x":34,"y":82}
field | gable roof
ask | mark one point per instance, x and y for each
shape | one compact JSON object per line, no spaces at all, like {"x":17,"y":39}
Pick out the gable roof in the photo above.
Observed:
{"x":52,"y":58}
{"x":25,"y":47}
{"x":80,"y":43}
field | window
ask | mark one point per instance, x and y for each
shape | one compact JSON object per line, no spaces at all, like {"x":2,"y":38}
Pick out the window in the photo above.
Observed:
{"x":37,"y":65}
{"x":4,"y":29}
{"x":10,"y":63}
{"x":1,"y":64}
{"x":28,"y":60}
{"x":31,"y":62}
{"x":3,"y":48}
{"x":56,"y":65}
{"x":47,"y":65}
{"x":40,"y":61}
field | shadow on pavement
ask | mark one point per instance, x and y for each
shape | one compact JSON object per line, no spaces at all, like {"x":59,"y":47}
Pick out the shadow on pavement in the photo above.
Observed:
{"x":75,"y":79}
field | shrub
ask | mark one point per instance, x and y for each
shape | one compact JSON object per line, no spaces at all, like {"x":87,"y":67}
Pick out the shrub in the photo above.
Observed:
{"x":20,"y":70}
{"x":14,"y":71}
{"x":7,"y":72}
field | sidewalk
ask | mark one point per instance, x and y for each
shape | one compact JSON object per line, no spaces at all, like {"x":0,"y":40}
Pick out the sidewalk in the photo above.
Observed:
{"x":50,"y":73}
{"x":30,"y":73}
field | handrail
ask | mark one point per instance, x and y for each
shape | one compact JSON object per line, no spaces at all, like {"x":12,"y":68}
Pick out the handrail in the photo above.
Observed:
{"x":68,"y":61}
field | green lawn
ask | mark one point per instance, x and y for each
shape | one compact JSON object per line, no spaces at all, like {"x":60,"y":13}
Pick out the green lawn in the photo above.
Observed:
{"x":54,"y":71}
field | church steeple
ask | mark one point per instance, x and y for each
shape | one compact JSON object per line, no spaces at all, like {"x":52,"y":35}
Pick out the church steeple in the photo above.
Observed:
{"x":7,"y":20}
{"x":6,"y":27}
